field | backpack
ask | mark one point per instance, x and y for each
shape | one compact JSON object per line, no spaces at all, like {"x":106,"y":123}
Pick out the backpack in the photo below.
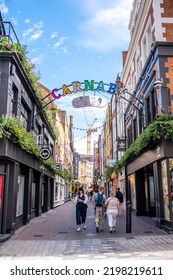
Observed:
{"x":99,"y":201}
{"x":119,"y":195}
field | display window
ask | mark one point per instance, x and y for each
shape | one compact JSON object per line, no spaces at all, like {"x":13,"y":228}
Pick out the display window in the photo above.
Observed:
{"x":165,"y":190}
{"x":33,"y":196}
{"x":20,"y":195}
{"x":171,"y":180}
{"x":133,"y":191}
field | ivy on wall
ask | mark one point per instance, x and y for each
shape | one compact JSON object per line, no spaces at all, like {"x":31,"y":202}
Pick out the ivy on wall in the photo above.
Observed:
{"x":161,"y":128}
{"x":12,"y":128}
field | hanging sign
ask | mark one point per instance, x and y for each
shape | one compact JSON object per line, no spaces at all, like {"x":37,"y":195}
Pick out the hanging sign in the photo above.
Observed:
{"x":88,"y":101}
{"x":121,"y":145}
{"x":58,"y":166}
{"x":91,"y":86}
{"x":45,"y":153}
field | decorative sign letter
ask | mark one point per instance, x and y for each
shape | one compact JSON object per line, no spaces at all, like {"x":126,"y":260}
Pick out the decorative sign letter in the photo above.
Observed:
{"x":100,"y":87}
{"x":112,"y":88}
{"x":76,"y":86}
{"x":88,"y":85}
{"x":65,"y":90}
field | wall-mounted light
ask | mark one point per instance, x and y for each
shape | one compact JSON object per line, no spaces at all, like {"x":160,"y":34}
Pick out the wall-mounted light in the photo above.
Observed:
{"x":158,"y":83}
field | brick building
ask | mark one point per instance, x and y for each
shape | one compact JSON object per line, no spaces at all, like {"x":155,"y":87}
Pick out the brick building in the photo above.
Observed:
{"x":148,"y":76}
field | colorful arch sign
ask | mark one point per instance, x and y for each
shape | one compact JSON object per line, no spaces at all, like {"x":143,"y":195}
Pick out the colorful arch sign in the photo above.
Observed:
{"x":88,"y":86}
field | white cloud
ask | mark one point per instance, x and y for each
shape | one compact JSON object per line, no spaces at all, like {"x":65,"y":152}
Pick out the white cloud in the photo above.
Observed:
{"x":35,"y":32}
{"x":37,"y":60}
{"x":54,"y":35}
{"x":36,"y":35}
{"x":59,"y":46}
{"x":107,"y":26}
{"x":3,"y":7}
{"x":27,"y":20}
{"x":80,"y":145}
{"x":60,"y":42}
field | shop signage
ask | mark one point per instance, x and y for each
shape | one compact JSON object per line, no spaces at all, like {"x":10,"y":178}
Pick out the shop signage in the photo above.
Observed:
{"x":88,"y":101}
{"x":88,"y":86}
{"x":121,"y":145}
{"x":58,"y":166}
{"x":45,"y":153}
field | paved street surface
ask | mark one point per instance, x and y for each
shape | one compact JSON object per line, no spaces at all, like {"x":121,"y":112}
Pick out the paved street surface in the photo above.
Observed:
{"x":53,"y":236}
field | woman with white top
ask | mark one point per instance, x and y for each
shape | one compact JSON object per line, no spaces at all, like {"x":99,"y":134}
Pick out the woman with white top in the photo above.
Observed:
{"x":112,"y":203}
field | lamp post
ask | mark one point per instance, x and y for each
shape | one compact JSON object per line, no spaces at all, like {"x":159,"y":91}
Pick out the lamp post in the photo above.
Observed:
{"x":121,"y":91}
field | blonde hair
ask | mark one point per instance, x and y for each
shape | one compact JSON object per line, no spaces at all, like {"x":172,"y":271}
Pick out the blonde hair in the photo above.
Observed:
{"x":112,"y":194}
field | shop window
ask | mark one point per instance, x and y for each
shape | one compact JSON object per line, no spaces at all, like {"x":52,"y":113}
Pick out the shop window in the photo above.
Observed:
{"x":33,"y":196}
{"x":20,"y":195}
{"x":165,"y":191}
{"x":56,"y":192}
{"x":133,"y":191}
{"x":171,"y":179}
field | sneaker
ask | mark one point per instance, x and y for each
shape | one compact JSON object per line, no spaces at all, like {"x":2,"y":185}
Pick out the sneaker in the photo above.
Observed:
{"x":101,"y":230}
{"x":78,"y":229}
{"x":84,"y":227}
{"x":97,"y":229}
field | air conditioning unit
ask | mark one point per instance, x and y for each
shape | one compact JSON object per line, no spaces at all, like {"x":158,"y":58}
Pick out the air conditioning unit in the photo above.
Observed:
{"x":40,"y":139}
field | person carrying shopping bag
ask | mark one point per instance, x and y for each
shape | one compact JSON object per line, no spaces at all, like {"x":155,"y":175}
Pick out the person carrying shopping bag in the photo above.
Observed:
{"x":112,"y":204}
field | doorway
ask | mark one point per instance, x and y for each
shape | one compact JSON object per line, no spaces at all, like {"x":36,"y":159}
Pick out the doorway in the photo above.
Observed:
{"x":1,"y":201}
{"x":151,"y":192}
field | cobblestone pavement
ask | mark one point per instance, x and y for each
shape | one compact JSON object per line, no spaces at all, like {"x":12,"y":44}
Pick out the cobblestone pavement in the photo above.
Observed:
{"x":53,"y":236}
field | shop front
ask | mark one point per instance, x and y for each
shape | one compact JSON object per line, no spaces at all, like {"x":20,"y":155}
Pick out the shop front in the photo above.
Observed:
{"x":150,"y":178}
{"x":26,"y":189}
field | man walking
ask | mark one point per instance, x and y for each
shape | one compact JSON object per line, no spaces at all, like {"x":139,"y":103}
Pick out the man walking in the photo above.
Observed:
{"x":120,"y":197}
{"x":98,"y":202}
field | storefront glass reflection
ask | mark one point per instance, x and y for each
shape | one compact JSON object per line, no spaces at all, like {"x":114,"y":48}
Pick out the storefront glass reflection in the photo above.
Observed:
{"x":165,"y":190}
{"x":133,"y":191}
{"x":171,"y":179}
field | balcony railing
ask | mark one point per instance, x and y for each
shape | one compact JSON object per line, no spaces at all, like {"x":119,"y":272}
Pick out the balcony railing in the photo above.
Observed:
{"x":7,"y":30}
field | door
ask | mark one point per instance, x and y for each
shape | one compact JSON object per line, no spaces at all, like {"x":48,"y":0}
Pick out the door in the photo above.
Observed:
{"x":1,"y":201}
{"x":152,"y":200}
{"x":43,"y":198}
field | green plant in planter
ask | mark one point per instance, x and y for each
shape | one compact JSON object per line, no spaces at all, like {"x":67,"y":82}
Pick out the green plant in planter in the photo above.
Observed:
{"x":28,"y":66}
{"x":161,"y":128}
{"x":13,"y":127}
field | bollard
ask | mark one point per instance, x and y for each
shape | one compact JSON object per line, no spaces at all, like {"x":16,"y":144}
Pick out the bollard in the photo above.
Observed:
{"x":128,"y":217}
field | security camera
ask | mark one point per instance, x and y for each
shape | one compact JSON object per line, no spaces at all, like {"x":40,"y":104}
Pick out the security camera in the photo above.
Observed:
{"x":158,"y":84}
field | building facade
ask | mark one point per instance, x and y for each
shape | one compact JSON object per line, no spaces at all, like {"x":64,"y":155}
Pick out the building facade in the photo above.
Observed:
{"x":26,"y":183}
{"x":148,"y":76}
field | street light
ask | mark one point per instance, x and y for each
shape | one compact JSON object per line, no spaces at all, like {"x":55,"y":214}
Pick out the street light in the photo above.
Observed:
{"x":121,"y":91}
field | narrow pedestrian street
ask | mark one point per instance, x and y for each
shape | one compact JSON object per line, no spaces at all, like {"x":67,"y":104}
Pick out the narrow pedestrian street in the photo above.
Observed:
{"x":53,"y":235}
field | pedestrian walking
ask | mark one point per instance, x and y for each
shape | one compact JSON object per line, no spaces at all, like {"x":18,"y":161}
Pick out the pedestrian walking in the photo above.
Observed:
{"x":112,"y":204}
{"x":81,"y":201}
{"x":120,"y":197}
{"x":98,"y":202}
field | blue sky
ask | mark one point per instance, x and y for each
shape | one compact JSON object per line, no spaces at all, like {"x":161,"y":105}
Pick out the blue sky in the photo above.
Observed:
{"x":72,"y":40}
